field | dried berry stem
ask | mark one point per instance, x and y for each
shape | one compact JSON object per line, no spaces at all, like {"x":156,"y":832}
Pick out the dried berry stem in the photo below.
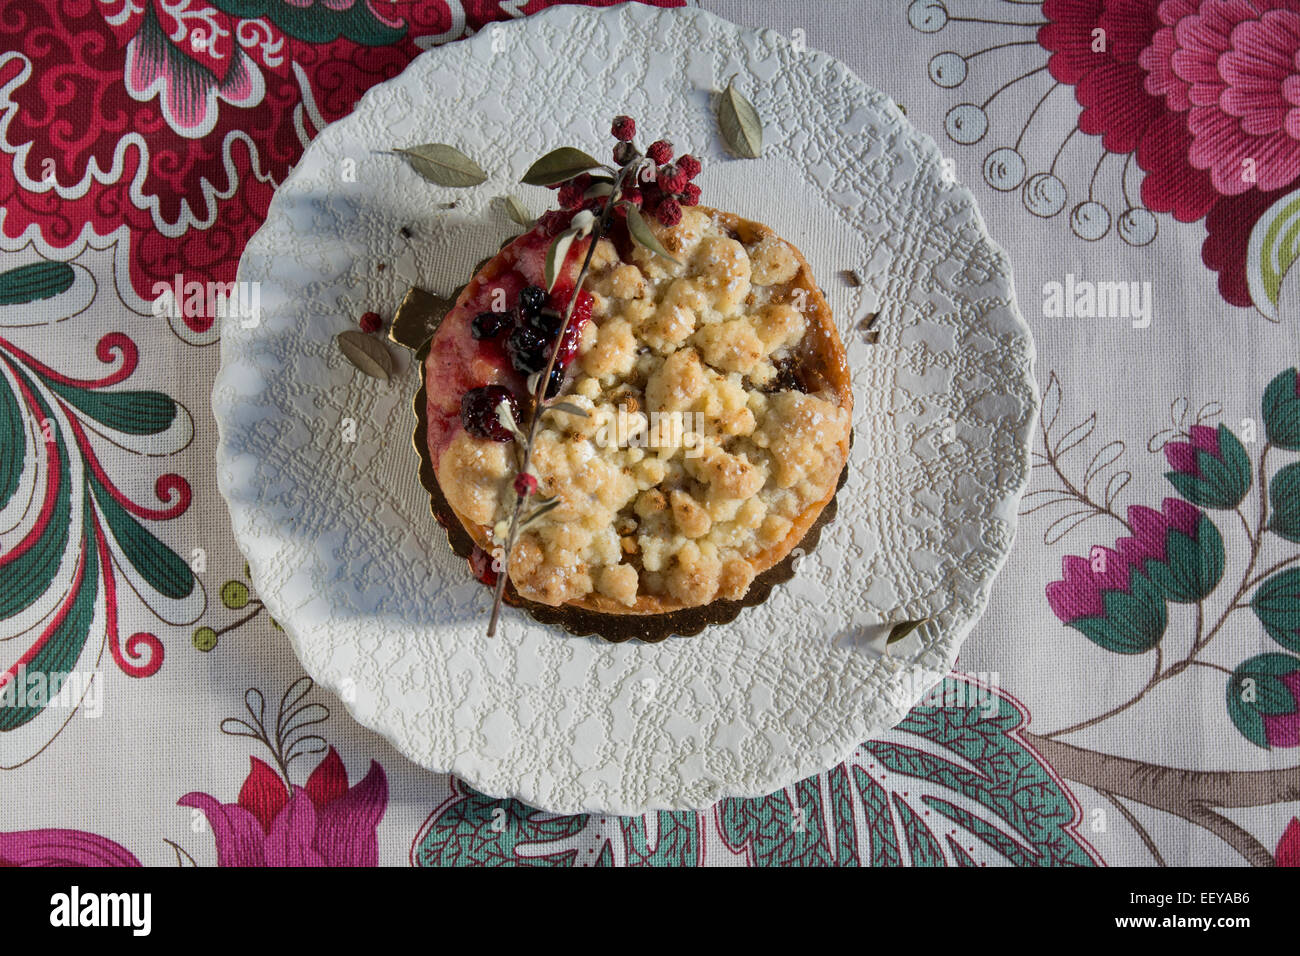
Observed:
{"x":539,"y":395}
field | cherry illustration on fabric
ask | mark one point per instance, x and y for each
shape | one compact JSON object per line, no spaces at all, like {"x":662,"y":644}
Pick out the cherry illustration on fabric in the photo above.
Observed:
{"x":1123,"y":597}
{"x":276,"y":822}
{"x":1201,"y":96}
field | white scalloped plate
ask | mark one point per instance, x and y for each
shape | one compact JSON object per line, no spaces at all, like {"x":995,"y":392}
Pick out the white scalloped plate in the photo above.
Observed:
{"x":316,"y":462}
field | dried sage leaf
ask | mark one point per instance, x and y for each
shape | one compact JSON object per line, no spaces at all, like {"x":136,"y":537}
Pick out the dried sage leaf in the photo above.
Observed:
{"x":640,"y":230}
{"x":741,"y":127}
{"x":556,"y":254}
{"x":366,"y":352}
{"x":867,"y":330}
{"x":516,"y":211}
{"x":559,"y":165}
{"x":444,"y":165}
{"x":902,"y":629}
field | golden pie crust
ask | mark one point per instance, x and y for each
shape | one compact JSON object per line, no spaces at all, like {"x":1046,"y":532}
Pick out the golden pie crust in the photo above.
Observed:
{"x":742,"y":318}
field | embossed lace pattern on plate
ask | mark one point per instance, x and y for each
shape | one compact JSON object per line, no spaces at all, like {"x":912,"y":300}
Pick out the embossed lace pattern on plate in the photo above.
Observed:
{"x":315,"y":458}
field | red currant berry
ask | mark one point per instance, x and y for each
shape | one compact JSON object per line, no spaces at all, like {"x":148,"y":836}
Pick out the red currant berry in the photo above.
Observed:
{"x":661,"y":151}
{"x":672,"y":179}
{"x":525,"y":484}
{"x":624,"y":128}
{"x":689,"y":165}
{"x":371,"y":322}
{"x":669,"y":212}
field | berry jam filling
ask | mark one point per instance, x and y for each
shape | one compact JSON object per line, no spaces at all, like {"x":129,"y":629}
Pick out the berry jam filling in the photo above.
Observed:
{"x":480,"y":564}
{"x":573,"y":334}
{"x":478,"y":412}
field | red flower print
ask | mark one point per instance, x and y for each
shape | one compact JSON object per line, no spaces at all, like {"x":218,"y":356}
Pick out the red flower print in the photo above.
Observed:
{"x":1108,"y":85}
{"x":1230,"y":66}
{"x":1288,"y":848}
{"x":59,"y":847}
{"x":1283,"y":730}
{"x":326,"y":823}
{"x":1205,"y":93}
{"x":1116,"y":597}
{"x":1182,"y":456}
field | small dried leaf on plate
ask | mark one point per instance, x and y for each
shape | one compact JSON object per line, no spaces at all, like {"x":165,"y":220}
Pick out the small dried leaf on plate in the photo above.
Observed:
{"x":367,"y":353}
{"x":516,"y":211}
{"x":739,"y":122}
{"x":902,"y":629}
{"x":444,"y":165}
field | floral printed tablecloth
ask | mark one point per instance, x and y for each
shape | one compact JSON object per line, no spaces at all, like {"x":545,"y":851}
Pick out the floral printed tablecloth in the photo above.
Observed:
{"x":1132,"y":695}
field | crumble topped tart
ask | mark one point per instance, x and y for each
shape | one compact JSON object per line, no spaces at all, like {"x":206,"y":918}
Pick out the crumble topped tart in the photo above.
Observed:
{"x":717,"y":417}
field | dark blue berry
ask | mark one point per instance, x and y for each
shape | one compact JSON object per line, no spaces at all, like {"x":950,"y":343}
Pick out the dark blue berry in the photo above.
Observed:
{"x":547,"y":321}
{"x":528,"y":351}
{"x":478,"y":412}
{"x":488,"y":325}
{"x":555,"y":382}
{"x":532,"y":298}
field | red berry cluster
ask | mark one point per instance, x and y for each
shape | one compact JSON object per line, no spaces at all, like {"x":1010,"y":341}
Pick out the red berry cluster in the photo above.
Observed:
{"x":670,"y":188}
{"x":664,"y":195}
{"x":661,"y":188}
